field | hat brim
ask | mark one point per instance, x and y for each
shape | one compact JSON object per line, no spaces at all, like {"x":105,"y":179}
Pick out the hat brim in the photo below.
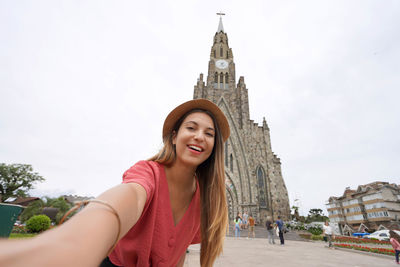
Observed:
{"x":200,"y":103}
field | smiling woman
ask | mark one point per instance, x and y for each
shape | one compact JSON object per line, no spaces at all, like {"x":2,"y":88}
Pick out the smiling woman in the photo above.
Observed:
{"x":154,"y":215}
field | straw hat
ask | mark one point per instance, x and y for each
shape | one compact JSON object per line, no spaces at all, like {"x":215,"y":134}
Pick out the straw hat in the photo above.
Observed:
{"x":200,"y":103}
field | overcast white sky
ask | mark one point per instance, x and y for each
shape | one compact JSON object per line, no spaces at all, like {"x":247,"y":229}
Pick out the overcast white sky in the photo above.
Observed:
{"x":85,"y":86}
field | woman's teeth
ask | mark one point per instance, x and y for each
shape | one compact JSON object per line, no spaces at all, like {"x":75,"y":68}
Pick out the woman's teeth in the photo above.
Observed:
{"x":195,"y":148}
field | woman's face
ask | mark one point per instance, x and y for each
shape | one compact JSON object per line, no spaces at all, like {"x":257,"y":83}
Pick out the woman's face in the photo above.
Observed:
{"x":195,"y":139}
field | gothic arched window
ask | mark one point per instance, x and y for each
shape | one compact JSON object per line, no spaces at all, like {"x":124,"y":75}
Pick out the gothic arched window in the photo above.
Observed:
{"x":227,"y":54}
{"x":215,"y":53}
{"x":216,"y":80}
{"x":226,"y":80}
{"x":231,"y":163}
{"x":262,"y":193}
{"x":226,"y":154}
{"x":221,"y":51}
{"x":221,"y":79}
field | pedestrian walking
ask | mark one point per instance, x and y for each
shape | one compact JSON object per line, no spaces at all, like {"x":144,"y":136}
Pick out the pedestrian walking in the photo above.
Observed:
{"x":245,"y":220}
{"x":251,"y":226}
{"x":279,"y":225}
{"x":395,"y":241}
{"x":328,"y":233}
{"x":270,"y":230}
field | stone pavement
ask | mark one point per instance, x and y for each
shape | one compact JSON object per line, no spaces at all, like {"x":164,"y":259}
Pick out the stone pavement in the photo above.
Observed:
{"x":245,"y":252}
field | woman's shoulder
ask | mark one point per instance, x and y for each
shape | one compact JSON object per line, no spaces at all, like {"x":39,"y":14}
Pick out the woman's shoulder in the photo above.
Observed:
{"x":146,"y":164}
{"x":142,"y":169}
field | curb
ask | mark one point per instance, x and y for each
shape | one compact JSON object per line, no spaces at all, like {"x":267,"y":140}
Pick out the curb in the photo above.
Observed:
{"x":365,"y":253}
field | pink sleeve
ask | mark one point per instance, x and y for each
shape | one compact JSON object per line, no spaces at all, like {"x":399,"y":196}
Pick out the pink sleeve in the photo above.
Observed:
{"x":141,"y":173}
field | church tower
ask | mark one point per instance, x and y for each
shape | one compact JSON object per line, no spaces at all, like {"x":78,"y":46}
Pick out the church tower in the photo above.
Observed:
{"x":221,"y":69}
{"x":254,"y":180}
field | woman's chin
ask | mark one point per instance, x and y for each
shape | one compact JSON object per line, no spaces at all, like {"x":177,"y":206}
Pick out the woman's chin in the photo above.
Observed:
{"x":190,"y":162}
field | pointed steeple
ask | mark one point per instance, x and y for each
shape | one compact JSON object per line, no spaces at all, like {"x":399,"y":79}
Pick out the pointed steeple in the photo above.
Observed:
{"x":220,"y":26}
{"x":265,"y":124}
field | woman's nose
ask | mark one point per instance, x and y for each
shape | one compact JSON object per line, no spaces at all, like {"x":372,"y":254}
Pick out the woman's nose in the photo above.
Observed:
{"x":199,"y":135}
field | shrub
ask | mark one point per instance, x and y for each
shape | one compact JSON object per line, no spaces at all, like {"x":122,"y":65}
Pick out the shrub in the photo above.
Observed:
{"x":301,"y":227}
{"x":315,"y":230}
{"x":317,"y":237}
{"x":297,"y":227}
{"x":33,"y":208}
{"x":38,"y":223}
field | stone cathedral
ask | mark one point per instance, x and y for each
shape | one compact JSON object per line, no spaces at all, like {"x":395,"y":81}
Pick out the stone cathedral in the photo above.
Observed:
{"x":254,"y":181}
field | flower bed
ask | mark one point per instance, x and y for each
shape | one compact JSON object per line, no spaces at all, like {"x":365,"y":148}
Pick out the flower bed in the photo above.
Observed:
{"x":348,"y":239}
{"x":19,"y":229}
{"x":385,"y":251}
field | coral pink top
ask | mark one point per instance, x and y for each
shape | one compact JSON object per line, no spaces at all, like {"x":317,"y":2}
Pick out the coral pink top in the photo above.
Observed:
{"x":154,"y":240}
{"x":395,"y":244}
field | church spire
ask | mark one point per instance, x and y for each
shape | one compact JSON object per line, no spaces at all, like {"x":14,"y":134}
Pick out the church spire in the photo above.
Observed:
{"x":220,"y":25}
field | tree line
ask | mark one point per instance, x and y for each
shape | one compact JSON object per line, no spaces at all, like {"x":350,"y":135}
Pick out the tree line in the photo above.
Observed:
{"x":17,"y":179}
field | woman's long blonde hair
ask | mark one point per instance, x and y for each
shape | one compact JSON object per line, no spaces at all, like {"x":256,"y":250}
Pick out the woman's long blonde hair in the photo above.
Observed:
{"x":211,"y":176}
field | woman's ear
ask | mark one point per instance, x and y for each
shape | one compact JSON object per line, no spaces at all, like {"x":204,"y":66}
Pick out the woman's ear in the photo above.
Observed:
{"x":174,"y":137}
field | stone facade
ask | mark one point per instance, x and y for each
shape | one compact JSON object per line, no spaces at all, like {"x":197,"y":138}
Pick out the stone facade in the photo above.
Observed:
{"x":254,"y":180}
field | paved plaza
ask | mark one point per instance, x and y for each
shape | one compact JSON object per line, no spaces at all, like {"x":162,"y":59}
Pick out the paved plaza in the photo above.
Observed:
{"x":245,"y":252}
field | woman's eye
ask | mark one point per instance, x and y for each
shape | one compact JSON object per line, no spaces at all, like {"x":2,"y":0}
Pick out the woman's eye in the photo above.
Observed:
{"x":210,"y":134}
{"x":190,"y":128}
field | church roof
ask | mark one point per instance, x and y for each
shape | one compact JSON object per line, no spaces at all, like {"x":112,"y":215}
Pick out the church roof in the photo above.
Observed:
{"x":220,"y":26}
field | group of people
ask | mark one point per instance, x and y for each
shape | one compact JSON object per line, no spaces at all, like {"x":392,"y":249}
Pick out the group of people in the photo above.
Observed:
{"x":277,"y":227}
{"x":244,"y":222}
{"x":247,"y":221}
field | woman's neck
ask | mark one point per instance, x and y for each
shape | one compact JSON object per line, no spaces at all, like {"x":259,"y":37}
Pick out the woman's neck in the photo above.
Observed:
{"x":180,"y":175}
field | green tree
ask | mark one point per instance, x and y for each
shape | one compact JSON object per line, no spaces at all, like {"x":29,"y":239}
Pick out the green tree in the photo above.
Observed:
{"x":34,"y":208}
{"x":16,"y":180}
{"x":315,"y":212}
{"x":295,"y":213}
{"x":316,"y":215}
{"x":61,"y":204}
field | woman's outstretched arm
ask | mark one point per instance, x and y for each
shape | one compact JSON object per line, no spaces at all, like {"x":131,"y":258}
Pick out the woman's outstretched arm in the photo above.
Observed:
{"x":85,"y":239}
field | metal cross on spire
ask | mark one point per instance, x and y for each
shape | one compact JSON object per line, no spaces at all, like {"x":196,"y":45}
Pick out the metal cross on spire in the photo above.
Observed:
{"x":220,"y":26}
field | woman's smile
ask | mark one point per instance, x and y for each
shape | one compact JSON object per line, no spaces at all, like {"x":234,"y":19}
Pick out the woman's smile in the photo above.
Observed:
{"x":195,"y":148}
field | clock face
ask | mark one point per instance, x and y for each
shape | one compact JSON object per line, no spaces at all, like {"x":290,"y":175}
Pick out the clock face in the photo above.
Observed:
{"x":221,"y":64}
